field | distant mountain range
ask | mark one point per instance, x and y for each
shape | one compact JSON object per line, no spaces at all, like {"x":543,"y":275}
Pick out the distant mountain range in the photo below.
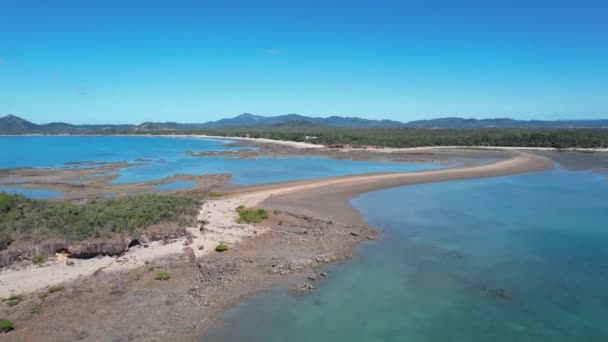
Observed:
{"x":12,"y":124}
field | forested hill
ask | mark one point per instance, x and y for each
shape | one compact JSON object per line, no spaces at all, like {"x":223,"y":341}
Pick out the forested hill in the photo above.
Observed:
{"x":12,"y":124}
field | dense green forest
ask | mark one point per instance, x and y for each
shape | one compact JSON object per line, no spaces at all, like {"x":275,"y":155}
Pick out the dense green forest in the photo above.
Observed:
{"x":24,"y":218}
{"x":414,"y":137}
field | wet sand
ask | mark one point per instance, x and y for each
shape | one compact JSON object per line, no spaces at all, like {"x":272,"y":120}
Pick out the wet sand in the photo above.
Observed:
{"x":331,"y":199}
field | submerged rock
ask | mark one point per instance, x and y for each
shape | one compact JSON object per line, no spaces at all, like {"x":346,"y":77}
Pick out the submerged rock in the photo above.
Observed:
{"x":305,"y":288}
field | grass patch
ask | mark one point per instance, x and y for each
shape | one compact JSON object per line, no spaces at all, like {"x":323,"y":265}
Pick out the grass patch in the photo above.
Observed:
{"x":6,"y":325}
{"x":222,"y":247}
{"x":25,"y":218}
{"x":216,"y":194}
{"x":14,"y":299}
{"x":39,"y":259}
{"x":251,"y":215}
{"x":36,"y":309}
{"x":162,"y":275}
{"x":56,"y":288}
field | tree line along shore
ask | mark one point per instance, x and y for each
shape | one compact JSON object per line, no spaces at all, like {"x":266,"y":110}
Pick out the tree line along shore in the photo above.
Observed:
{"x":558,"y":138}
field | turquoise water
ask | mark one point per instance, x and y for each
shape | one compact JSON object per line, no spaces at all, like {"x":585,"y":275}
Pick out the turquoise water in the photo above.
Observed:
{"x":177,"y":185}
{"x":165,"y":157}
{"x":519,"y":258}
{"x":263,"y":170}
{"x":57,"y":151}
{"x":32,"y":193}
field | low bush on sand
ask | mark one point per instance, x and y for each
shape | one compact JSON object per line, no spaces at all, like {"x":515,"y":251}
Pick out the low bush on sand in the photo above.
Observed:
{"x":162,"y":275}
{"x":14,"y":299}
{"x":222,"y":247}
{"x":56,"y":288}
{"x":36,"y":309}
{"x":251,"y":215}
{"x":6,"y":325}
{"x":39,"y":259}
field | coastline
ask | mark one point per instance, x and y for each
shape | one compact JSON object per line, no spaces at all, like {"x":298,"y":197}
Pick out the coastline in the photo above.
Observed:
{"x":272,"y":252}
{"x":304,"y":145}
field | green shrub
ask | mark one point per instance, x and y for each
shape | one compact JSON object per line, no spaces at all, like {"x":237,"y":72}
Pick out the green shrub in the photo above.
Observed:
{"x":25,"y":218}
{"x":5,"y":238}
{"x":162,"y":275}
{"x":222,"y":247}
{"x":251,"y":215}
{"x":215,"y":194}
{"x":39,"y":259}
{"x":6,"y":325}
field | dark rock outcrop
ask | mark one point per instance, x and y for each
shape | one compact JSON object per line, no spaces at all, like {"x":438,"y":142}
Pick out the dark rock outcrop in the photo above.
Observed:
{"x":92,"y":248}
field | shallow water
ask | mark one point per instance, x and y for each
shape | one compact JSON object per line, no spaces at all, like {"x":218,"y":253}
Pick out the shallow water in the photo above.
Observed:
{"x":32,"y":193}
{"x":59,"y":151}
{"x":177,"y":185}
{"x":263,"y":170}
{"x":165,"y":157}
{"x":520,"y":258}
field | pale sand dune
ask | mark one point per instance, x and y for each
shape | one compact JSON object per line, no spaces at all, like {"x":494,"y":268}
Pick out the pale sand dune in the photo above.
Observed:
{"x":221,"y":217}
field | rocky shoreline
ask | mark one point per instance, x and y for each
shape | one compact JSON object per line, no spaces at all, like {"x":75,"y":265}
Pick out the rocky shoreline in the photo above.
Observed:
{"x":134,"y":306}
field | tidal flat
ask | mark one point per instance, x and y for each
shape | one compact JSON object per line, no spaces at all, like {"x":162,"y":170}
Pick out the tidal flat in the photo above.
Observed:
{"x":316,"y":255}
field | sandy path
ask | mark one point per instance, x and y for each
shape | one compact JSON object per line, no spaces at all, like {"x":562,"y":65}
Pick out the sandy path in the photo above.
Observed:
{"x":222,"y":226}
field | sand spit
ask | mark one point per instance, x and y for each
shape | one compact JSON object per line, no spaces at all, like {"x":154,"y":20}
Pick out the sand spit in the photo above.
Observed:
{"x":295,"y":144}
{"x":220,"y":219}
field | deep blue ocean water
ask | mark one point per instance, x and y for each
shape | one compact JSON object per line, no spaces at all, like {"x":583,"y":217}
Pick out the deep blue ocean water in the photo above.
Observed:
{"x":519,"y":258}
{"x":164,"y":157}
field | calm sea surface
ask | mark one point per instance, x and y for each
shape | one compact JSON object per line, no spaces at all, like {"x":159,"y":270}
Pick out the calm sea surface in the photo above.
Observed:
{"x":164,"y":157}
{"x":520,"y":258}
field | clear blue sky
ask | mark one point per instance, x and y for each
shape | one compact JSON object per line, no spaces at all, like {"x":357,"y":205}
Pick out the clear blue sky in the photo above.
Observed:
{"x":193,"y":61}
